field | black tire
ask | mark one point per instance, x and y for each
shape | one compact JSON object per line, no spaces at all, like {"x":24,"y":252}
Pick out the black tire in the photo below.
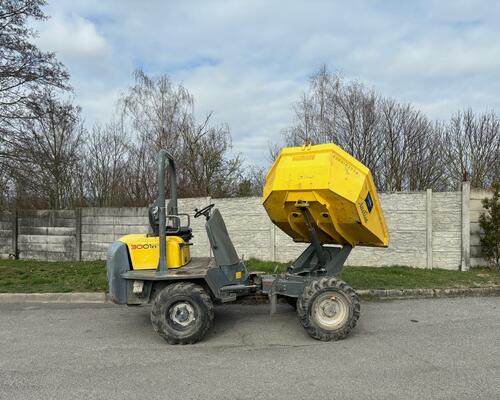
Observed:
{"x":182,"y":313}
{"x":328,"y":309}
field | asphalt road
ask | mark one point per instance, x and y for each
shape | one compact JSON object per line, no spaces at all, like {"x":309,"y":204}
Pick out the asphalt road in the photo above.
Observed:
{"x":412,"y":349}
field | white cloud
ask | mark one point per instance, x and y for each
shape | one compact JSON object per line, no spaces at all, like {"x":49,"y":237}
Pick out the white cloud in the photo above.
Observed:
{"x":249,"y":61}
{"x":73,"y":37}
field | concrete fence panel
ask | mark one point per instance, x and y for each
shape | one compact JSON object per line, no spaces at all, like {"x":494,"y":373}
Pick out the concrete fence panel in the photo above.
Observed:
{"x":446,"y":229}
{"x":427,"y":230}
{"x":46,"y":234}
{"x":102,"y":226}
{"x":6,"y":231}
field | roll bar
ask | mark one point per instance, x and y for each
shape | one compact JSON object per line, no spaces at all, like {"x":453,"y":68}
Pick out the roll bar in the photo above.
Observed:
{"x":172,"y":205}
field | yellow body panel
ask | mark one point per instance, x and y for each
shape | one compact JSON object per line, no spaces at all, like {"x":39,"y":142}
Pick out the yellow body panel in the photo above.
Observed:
{"x":145,"y":251}
{"x":339,"y":193}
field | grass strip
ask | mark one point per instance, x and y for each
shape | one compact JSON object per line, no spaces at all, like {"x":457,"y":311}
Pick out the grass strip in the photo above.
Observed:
{"x":27,"y":276}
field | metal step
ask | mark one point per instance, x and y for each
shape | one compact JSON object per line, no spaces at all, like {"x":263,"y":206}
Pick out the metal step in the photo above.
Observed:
{"x":237,"y":288}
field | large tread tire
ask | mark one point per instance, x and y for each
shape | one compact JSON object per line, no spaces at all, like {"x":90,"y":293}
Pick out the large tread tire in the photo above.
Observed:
{"x":314,"y":290}
{"x":182,"y":293}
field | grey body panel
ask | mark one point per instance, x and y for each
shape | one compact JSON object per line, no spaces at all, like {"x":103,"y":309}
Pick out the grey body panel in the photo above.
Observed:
{"x":222,"y":246}
{"x":196,"y":268}
{"x":218,"y":279}
{"x":308,"y":261}
{"x":117,"y":263}
{"x":306,"y":267}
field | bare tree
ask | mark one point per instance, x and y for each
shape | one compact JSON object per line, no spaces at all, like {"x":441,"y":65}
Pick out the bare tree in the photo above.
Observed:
{"x":341,"y":112}
{"x":358,"y":124}
{"x":400,"y":134}
{"x":161,"y":115}
{"x":157,"y":110}
{"x":158,"y":114}
{"x":209,"y":168}
{"x":273,"y":149}
{"x":5,"y":187}
{"x":399,"y":144}
{"x":426,"y":165}
{"x":316,"y":112}
{"x":47,"y":154}
{"x":252,"y":182}
{"x":107,"y":165}
{"x":25,"y":75}
{"x":472,"y":148}
{"x":25,"y":71}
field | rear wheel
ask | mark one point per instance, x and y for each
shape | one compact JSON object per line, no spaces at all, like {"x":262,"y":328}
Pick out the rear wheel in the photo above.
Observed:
{"x":328,"y":309}
{"x":182,"y":313}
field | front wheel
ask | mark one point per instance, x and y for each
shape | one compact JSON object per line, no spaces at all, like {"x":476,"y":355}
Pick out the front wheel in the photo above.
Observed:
{"x":182,"y":313}
{"x":328,"y":308}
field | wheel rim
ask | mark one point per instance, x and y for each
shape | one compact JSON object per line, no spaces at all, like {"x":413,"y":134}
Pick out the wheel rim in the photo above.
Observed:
{"x":182,"y":314}
{"x":330,"y":310}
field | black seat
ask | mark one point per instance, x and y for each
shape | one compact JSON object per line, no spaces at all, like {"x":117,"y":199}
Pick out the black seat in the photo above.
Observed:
{"x":185,"y":232}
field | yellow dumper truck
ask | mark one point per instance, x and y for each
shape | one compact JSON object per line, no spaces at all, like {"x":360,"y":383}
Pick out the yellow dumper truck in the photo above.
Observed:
{"x":315,"y":194}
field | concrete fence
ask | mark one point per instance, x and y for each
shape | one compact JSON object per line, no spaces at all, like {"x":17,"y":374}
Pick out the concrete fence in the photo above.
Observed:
{"x":427,"y":230}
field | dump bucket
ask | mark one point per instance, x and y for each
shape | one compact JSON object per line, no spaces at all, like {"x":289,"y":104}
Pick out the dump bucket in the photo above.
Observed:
{"x":335,"y":188}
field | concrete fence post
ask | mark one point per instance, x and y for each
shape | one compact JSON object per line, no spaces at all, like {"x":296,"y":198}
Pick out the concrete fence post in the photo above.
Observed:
{"x":78,"y":234}
{"x":428,"y":204}
{"x":465,"y":265}
{"x":272,"y":241}
{"x":15,"y":233}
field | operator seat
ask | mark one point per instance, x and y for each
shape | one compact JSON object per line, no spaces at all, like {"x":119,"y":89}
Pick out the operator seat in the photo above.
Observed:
{"x":222,"y":246}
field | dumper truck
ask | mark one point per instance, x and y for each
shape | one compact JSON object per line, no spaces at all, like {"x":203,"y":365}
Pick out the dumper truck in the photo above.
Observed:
{"x":316,"y":194}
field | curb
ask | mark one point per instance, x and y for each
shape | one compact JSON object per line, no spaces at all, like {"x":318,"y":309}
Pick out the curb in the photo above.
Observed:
{"x":428,"y":293}
{"x":401,"y":294}
{"x":372,"y":294}
{"x":63,"y":298}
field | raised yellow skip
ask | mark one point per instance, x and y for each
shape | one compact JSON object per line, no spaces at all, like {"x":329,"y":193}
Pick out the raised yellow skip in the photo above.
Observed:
{"x":337,"y":190}
{"x":145,"y":251}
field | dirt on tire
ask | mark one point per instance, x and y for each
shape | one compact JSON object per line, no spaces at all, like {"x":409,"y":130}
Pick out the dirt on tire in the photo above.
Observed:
{"x":186,"y":292}
{"x":306,"y":301}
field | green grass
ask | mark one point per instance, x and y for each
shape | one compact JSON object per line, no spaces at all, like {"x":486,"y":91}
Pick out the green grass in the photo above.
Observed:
{"x":397,"y":277}
{"x":412,"y":278}
{"x":24,"y":276}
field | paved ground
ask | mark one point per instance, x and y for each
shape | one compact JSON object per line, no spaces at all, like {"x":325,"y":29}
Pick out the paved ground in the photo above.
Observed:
{"x":412,"y":349}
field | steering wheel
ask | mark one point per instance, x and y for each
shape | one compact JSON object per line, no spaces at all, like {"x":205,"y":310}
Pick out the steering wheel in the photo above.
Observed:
{"x":204,"y":211}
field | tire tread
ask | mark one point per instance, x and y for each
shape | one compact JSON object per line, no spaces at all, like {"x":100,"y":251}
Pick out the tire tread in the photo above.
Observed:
{"x":187,"y":289}
{"x":305,"y":301}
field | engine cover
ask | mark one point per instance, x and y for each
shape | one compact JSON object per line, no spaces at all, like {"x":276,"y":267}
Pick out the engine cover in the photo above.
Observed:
{"x":145,"y":251}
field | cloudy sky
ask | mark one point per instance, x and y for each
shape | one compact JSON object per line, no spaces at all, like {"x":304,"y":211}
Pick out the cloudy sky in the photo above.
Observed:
{"x":248,"y":61}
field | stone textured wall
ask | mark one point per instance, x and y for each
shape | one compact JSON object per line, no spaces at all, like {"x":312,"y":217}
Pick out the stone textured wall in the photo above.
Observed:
{"x":255,"y":236}
{"x":405,"y":215}
{"x":425,"y":230}
{"x":102,"y":226}
{"x":5,"y":234}
{"x":46,"y":234}
{"x":447,"y":229}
